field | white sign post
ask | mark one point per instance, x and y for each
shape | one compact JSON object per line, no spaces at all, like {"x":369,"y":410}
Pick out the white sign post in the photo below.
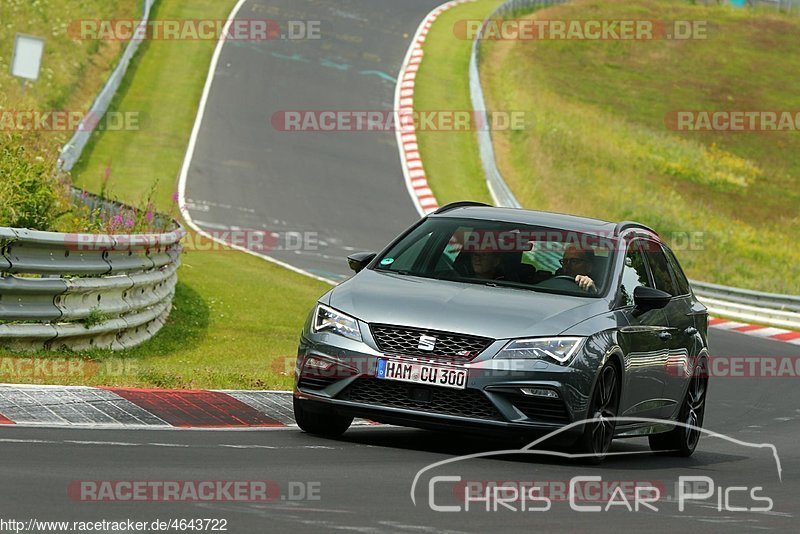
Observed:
{"x":26,"y":60}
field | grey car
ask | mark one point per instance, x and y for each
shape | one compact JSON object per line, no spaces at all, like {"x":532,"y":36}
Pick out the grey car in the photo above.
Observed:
{"x":511,"y":321}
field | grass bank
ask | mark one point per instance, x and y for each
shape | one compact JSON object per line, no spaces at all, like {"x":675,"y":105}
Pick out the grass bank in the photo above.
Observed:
{"x":73,"y":70}
{"x":599,"y":143}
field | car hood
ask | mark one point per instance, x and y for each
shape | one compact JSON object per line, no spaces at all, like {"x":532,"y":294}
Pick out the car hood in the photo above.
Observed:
{"x":495,"y":312}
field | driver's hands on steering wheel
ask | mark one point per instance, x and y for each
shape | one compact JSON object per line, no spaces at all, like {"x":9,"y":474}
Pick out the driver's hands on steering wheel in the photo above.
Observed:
{"x":585,"y":283}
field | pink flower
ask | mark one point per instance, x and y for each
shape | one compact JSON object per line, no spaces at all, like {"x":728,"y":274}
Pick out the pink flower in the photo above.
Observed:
{"x":149,"y":216}
{"x":175,"y":197}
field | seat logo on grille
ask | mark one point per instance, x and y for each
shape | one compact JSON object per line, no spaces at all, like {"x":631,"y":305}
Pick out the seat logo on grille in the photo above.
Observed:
{"x":427,"y":343}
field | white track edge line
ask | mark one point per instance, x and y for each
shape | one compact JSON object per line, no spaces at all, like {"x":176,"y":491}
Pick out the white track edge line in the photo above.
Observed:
{"x":187,"y":160}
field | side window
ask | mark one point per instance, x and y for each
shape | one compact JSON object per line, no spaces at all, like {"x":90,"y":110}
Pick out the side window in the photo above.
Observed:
{"x":659,"y":267}
{"x":634,"y":274}
{"x":680,"y":278}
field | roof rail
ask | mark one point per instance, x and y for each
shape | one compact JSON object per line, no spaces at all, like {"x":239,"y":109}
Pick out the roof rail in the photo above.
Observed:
{"x":460,"y":204}
{"x":627,"y":225}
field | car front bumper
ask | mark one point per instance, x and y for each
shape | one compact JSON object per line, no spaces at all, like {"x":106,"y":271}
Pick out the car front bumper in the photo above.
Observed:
{"x":493,"y":401}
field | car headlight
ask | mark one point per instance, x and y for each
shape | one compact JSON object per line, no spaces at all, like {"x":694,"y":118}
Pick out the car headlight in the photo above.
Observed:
{"x":560,"y":349}
{"x":328,"y":319}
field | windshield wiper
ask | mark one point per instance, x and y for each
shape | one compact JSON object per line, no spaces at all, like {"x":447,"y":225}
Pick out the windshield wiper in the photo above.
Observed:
{"x":496,"y":283}
{"x":402,"y":272}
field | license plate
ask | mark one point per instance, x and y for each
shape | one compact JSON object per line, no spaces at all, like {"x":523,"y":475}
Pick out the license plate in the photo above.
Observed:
{"x":420,"y":373}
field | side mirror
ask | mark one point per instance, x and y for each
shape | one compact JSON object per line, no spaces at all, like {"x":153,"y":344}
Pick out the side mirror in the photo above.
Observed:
{"x":360,"y":260}
{"x":648,"y":298}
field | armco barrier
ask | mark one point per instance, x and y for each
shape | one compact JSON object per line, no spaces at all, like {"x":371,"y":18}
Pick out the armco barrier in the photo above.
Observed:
{"x":746,"y":305}
{"x":87,"y":291}
{"x":82,"y":291}
{"x":501,"y":193}
{"x":74,"y":147}
{"x":750,"y":306}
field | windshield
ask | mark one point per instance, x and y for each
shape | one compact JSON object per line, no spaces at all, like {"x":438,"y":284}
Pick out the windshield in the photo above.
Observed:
{"x":503,"y":254}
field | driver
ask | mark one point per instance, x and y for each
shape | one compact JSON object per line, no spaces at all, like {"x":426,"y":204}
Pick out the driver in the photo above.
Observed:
{"x":577,"y":263}
{"x":486,"y":265}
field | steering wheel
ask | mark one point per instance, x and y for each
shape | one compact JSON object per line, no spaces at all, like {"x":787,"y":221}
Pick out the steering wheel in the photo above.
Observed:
{"x":453,"y":267}
{"x":460,"y":269}
{"x":592,"y":289}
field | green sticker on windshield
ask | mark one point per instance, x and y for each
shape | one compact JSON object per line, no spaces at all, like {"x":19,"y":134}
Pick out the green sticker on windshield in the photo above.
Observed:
{"x":387,"y":261}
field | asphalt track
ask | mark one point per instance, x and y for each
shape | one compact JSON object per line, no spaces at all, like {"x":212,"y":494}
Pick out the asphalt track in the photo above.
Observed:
{"x":344,"y":190}
{"x":365,"y":478}
{"x":349,"y":188}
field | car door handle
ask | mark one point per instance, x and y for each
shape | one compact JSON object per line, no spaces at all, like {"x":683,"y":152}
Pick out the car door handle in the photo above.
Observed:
{"x":691,"y":331}
{"x":665,"y":336}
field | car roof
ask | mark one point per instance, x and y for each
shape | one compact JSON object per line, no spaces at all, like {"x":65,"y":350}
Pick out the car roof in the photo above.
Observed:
{"x":531,"y":217}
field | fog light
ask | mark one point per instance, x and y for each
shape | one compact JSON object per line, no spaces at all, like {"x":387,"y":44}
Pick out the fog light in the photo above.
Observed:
{"x":316,"y":363}
{"x":539,"y":392}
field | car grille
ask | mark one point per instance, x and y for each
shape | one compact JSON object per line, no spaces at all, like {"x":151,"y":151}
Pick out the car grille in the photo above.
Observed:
{"x":404,"y":341}
{"x":445,"y":401}
{"x":541,"y":409}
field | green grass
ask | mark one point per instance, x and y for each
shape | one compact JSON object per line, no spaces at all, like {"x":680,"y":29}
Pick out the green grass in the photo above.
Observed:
{"x":598,"y":144}
{"x":236,"y":318}
{"x":164,"y":85}
{"x":235,"y":324}
{"x":72,"y":70}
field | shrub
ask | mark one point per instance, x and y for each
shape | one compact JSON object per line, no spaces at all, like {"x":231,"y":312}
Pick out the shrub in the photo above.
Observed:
{"x":33,"y":196}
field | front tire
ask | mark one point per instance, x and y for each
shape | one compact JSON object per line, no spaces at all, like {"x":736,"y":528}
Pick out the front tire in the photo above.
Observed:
{"x":319,"y":420}
{"x":598,"y":433}
{"x":682,"y":440}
